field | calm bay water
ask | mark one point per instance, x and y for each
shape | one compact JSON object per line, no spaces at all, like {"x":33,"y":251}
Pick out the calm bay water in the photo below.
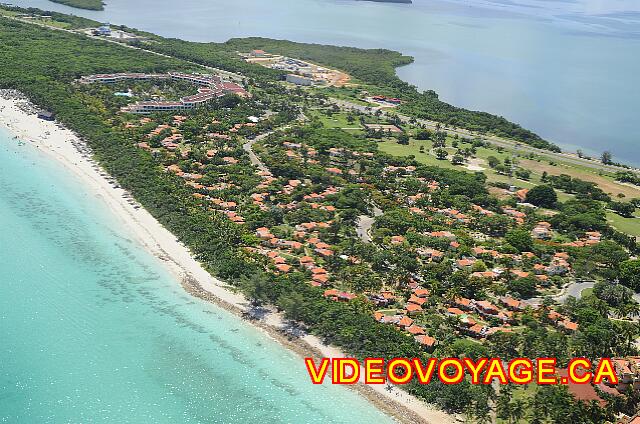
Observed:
{"x":94,"y":330}
{"x":565,"y":69}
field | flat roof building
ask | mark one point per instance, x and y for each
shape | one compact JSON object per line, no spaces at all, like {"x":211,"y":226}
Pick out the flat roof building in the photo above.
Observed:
{"x":299,"y":80}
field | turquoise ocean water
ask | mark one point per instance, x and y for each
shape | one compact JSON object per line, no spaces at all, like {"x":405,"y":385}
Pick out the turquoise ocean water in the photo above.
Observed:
{"x":566,"y":69}
{"x":94,"y":330}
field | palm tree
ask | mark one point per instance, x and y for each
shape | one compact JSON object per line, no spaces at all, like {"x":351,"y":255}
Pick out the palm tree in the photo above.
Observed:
{"x":452,"y":294}
{"x":516,"y":411}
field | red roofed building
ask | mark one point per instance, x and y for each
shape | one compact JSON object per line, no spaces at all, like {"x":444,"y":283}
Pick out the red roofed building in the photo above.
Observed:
{"x":421,"y":292}
{"x":463,"y":303}
{"x":486,"y":308}
{"x":582,"y":392}
{"x":426,"y":341}
{"x":568,"y":326}
{"x":320,"y":278}
{"x":335,"y":171}
{"x":405,"y":321}
{"x":331,"y":292}
{"x":324,"y":252}
{"x":283,"y":267}
{"x":264,"y":233}
{"x":413,"y":308}
{"x":415,"y":330}
{"x":512,"y":304}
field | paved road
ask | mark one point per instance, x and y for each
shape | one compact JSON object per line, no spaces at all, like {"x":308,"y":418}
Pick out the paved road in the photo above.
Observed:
{"x":255,"y":160}
{"x":248,"y":146}
{"x":364,"y":224}
{"x":498,"y":141}
{"x":574,"y":289}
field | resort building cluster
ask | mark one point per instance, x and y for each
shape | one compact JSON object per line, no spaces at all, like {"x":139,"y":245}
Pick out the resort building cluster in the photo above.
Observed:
{"x":411,"y":245}
{"x":210,"y":88}
{"x":315,"y":247}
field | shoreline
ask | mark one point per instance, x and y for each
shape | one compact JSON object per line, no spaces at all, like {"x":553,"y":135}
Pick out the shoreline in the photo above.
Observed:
{"x":18,"y":116}
{"x":568,"y":150}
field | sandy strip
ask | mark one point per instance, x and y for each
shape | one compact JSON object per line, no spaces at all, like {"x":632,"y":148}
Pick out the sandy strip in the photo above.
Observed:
{"x":63,"y":145}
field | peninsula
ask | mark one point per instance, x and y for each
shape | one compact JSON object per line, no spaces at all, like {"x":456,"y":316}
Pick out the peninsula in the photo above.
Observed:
{"x":377,"y":219}
{"x":82,"y":4}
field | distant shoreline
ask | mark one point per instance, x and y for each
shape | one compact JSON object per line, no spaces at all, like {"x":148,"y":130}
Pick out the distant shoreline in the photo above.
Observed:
{"x":82,"y":4}
{"x":391,"y":1}
{"x":65,"y":147}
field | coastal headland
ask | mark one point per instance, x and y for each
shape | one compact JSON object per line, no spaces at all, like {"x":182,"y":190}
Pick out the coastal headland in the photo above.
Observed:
{"x":82,"y":4}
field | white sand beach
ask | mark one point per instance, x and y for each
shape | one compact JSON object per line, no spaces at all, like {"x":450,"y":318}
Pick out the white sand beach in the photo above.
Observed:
{"x":66,"y":148}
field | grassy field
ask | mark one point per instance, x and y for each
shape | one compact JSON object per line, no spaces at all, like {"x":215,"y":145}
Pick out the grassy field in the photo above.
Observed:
{"x":604,"y":181}
{"x":586,"y":292}
{"x":350,"y":94}
{"x":427,"y":157}
{"x":335,"y":120}
{"x":38,"y":20}
{"x":538,"y":165}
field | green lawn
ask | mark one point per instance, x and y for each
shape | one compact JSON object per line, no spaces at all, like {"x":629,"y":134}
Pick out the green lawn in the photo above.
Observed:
{"x":350,"y":94}
{"x":38,"y":20}
{"x":413,"y":148}
{"x":586,"y":292}
{"x":626,"y":225}
{"x":336,"y":120}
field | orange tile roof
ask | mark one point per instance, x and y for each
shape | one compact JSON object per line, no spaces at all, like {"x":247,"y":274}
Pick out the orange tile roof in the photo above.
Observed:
{"x":417,"y":300}
{"x":425,"y":340}
{"x":405,"y":321}
{"x":320,"y":278}
{"x":421,"y":292}
{"x":412,"y":307}
{"x":283,"y":267}
{"x":415,"y":330}
{"x":582,"y":392}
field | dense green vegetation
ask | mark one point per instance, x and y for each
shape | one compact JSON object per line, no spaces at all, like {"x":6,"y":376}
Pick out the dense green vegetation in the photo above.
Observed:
{"x":377,"y":67}
{"x":218,"y":55}
{"x":628,"y":177}
{"x":371,"y":66}
{"x":82,"y":4}
{"x":91,"y":111}
{"x":72,"y":20}
{"x":215,"y":242}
